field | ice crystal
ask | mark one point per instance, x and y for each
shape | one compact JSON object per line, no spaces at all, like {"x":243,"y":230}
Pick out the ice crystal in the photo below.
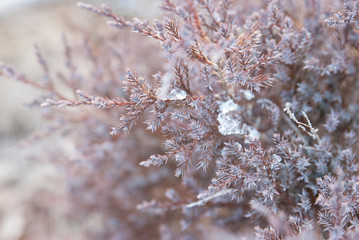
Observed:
{"x":229,"y":118}
{"x":276,"y":158}
{"x":229,"y":106}
{"x":230,"y":121}
{"x":176,"y":94}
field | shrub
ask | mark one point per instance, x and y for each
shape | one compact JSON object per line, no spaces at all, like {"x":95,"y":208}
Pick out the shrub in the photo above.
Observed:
{"x":246,"y":119}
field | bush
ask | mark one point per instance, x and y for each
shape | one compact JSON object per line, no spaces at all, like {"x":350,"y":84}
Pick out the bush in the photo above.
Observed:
{"x":247,"y":120}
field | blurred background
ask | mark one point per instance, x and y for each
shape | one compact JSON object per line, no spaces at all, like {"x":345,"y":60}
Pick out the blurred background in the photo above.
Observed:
{"x":28,"y":186}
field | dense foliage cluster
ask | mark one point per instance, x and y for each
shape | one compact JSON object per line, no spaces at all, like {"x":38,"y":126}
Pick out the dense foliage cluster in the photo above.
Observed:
{"x":247,"y":119}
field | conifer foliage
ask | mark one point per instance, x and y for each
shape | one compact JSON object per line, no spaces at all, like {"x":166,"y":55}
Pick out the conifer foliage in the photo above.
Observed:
{"x":248,"y":121}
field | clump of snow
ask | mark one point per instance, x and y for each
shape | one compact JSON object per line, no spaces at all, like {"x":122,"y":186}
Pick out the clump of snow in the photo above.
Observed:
{"x":229,"y":118}
{"x":230,"y":122}
{"x":251,"y":131}
{"x":248,"y":94}
{"x":229,"y":106}
{"x":176,"y":94}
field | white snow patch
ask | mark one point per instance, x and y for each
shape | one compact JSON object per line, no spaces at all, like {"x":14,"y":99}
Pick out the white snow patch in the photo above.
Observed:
{"x":248,"y":94}
{"x":230,"y":122}
{"x":251,"y":131}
